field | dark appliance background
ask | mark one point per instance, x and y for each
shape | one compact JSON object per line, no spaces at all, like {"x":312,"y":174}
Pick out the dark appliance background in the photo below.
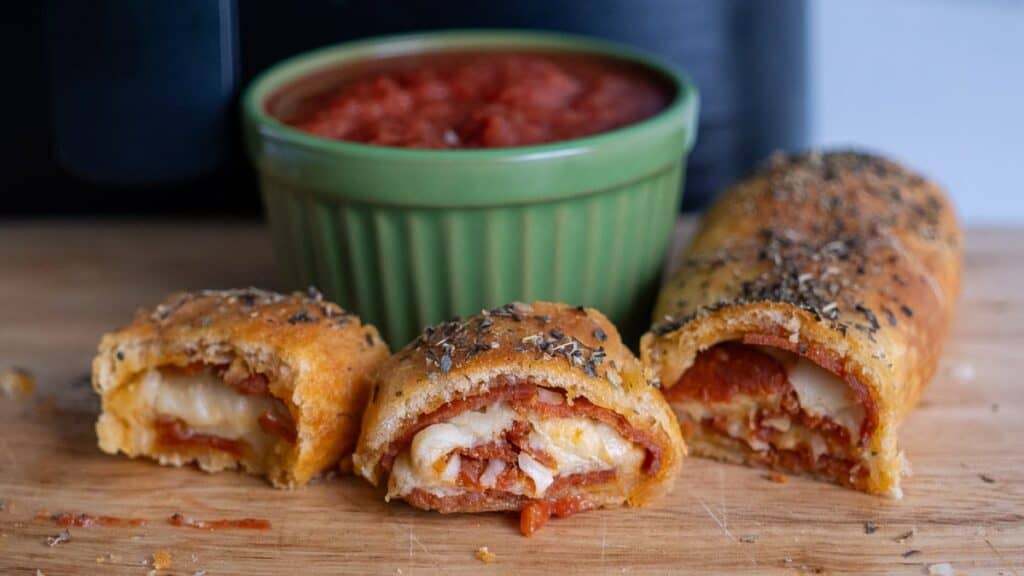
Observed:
{"x":167,"y":74}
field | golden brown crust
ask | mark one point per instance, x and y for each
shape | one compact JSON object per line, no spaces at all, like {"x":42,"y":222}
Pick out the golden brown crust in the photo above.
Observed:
{"x":847,"y":251}
{"x":554,"y":345}
{"x":319,"y":360}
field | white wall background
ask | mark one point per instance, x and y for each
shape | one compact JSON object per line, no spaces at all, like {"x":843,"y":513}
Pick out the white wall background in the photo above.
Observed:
{"x":938,"y":84}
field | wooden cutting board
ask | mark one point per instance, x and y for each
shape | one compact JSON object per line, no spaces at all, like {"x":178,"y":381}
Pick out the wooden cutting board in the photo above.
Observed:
{"x":63,"y":284}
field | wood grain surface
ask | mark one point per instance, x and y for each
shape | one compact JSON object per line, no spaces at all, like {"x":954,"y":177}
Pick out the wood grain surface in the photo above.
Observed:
{"x":63,"y":284}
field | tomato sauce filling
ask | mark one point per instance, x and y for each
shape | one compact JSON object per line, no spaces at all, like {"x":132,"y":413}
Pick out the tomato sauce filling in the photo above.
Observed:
{"x":740,"y":368}
{"x":534,"y":513}
{"x":482,"y":100}
{"x":175,"y":432}
{"x":558,"y":499}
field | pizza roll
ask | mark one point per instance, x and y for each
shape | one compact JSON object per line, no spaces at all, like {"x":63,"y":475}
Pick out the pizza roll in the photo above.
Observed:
{"x":535,"y":408}
{"x":270,"y":383}
{"x":807,"y":316}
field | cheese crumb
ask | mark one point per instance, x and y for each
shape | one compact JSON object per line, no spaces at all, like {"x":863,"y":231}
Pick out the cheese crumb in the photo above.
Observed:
{"x":161,"y":560}
{"x":60,"y":538}
{"x":944,"y":569}
{"x":16,"y":383}
{"x":486,"y":556}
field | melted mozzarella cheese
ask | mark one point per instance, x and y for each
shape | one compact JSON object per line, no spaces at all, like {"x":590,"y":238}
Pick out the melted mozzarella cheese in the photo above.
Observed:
{"x":582,"y":445}
{"x":820,"y":392}
{"x":541,"y":475}
{"x":825,"y":395}
{"x":468,"y":429}
{"x":490,"y":476}
{"x":205,"y":404}
{"x":576,"y":444}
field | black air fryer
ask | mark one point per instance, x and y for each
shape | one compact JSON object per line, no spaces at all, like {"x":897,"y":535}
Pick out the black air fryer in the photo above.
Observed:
{"x":132,"y":106}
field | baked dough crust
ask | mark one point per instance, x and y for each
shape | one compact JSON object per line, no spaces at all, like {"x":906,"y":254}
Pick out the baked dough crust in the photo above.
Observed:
{"x":458,"y":359}
{"x":847,"y":252}
{"x":318,"y":359}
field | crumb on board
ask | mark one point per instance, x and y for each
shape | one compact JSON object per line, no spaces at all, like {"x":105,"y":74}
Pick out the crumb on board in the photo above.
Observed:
{"x":39,"y":572}
{"x":486,"y":556}
{"x":987,"y":479}
{"x":906,"y":536}
{"x":749,"y":539}
{"x":942,"y":569}
{"x":199,"y":572}
{"x":16,"y":383}
{"x":59,"y":538}
{"x":161,"y":559}
{"x":870,"y":527}
{"x":108,"y":557}
{"x":909,"y":553}
{"x":777,"y":477}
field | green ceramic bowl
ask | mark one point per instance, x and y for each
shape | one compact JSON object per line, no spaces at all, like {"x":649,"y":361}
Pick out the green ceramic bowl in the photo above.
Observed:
{"x":409,"y":237}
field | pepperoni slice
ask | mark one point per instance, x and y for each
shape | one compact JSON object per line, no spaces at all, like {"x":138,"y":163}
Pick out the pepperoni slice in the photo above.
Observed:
{"x":251,"y":385}
{"x":727,"y":369}
{"x":271,"y":423}
{"x":175,"y":432}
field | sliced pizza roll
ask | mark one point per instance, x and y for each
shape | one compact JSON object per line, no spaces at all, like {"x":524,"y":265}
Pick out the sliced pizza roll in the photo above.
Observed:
{"x":270,"y":383}
{"x":535,"y":408}
{"x":807,"y":316}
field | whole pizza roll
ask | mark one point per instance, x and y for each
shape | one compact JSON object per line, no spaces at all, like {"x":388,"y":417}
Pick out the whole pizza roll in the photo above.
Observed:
{"x":807,"y":316}
{"x":535,"y":408}
{"x":270,"y":383}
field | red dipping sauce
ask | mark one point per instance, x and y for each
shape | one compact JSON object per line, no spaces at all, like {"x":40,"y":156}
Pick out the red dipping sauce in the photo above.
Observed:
{"x":483,"y":100}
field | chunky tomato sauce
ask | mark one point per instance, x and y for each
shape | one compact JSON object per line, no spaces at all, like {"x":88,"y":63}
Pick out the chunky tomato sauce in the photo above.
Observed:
{"x":484,"y":100}
{"x":536,"y":514}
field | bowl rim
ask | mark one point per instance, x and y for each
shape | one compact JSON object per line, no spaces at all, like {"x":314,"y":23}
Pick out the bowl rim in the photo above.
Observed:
{"x":268,"y":82}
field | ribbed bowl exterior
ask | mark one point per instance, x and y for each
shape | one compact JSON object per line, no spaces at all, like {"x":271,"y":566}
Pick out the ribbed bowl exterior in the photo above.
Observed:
{"x":403,"y":268}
